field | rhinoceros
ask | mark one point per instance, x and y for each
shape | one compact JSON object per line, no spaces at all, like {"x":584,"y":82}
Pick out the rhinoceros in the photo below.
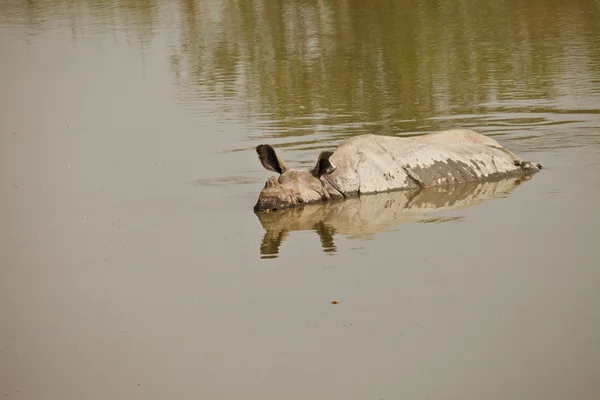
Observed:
{"x":371,"y":163}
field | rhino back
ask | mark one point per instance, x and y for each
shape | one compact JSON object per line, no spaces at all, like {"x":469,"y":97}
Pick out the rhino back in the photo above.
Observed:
{"x":371,"y":164}
{"x":362,"y":166}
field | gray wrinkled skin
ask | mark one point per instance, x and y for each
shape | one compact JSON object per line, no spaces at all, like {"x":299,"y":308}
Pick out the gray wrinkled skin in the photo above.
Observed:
{"x":372,"y":164}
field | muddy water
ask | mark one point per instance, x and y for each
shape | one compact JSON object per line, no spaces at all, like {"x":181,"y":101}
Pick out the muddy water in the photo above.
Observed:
{"x":132,"y":265}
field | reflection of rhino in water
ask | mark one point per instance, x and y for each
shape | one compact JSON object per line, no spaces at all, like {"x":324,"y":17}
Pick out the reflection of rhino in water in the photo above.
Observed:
{"x":365,"y":215}
{"x":372,"y":164}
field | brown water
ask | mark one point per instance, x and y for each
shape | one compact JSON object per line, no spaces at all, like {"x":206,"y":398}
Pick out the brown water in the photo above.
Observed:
{"x":133,"y":267}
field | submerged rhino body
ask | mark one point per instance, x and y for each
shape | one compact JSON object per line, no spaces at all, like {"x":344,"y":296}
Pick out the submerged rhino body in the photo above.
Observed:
{"x":372,"y":164}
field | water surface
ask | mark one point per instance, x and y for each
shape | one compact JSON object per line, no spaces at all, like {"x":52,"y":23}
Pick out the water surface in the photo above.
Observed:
{"x":133,"y":266}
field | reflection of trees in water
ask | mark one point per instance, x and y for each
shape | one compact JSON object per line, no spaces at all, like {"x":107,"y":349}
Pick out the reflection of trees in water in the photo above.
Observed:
{"x":138,"y":18}
{"x":349,"y":63}
{"x":381,"y":62}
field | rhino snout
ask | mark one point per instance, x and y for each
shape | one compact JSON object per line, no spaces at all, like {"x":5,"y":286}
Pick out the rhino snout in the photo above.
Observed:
{"x":274,"y":196}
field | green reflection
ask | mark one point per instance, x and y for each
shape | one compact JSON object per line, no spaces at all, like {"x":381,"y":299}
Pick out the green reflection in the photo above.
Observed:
{"x":338,"y":66}
{"x":84,"y":17}
{"x":296,"y":68}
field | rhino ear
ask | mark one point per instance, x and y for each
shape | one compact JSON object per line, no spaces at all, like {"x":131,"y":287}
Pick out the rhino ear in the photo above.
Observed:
{"x":269,"y":159}
{"x":324,"y":166}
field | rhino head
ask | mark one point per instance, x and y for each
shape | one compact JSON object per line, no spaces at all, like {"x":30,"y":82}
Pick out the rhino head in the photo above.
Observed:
{"x":292,"y":187}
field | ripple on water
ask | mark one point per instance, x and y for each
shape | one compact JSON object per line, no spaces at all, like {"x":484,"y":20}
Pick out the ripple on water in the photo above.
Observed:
{"x":227,"y":180}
